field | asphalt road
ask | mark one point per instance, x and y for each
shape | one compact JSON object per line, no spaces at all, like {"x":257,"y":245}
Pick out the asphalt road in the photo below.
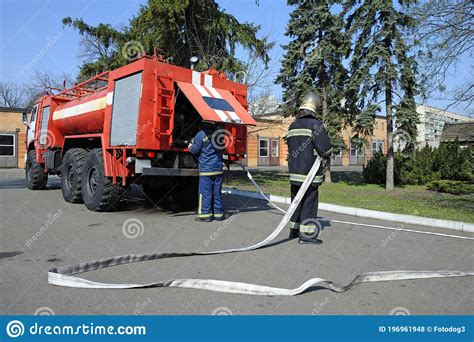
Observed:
{"x":69,"y":233}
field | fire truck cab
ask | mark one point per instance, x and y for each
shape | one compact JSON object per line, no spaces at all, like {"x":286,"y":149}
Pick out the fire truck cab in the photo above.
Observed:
{"x":130,"y":126}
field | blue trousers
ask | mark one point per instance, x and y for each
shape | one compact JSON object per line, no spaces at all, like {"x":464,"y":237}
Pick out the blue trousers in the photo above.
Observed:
{"x":210,"y":197}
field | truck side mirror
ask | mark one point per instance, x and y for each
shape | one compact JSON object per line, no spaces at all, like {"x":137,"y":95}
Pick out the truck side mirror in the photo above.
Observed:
{"x":25,"y":120}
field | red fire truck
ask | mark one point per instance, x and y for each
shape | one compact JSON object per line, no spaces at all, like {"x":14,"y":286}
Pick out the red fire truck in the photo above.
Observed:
{"x":129,"y":126}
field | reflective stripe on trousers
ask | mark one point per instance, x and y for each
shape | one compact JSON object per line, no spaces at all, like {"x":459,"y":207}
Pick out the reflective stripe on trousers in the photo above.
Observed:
{"x":210,"y":197}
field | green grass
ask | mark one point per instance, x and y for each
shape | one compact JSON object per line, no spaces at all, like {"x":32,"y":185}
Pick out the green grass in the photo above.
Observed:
{"x":348,"y":189}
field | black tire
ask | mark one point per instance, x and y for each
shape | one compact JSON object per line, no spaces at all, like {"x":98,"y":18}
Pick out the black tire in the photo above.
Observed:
{"x":36,"y":178}
{"x":98,"y":191}
{"x":71,"y":174}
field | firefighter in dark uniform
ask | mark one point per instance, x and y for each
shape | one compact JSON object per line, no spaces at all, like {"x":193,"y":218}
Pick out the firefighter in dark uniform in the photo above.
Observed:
{"x":210,"y":172}
{"x":306,"y":138}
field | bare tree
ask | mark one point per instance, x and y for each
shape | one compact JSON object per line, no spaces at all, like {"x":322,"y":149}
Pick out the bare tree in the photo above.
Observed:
{"x":258,"y":76}
{"x":40,"y":82}
{"x":264,"y":103}
{"x":11,"y":94}
{"x":93,"y":49}
{"x":447,"y":35}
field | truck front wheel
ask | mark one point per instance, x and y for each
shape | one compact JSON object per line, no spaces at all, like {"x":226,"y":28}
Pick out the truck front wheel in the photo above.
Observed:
{"x":36,"y":178}
{"x":71,"y":174}
{"x":98,"y":191}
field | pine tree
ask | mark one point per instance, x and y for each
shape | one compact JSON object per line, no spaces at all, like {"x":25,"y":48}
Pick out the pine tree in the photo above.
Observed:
{"x":180,"y":29}
{"x":381,"y":64}
{"x":313,"y":62}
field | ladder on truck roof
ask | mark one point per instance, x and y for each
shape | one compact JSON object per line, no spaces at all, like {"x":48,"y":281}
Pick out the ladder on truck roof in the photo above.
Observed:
{"x":82,"y":89}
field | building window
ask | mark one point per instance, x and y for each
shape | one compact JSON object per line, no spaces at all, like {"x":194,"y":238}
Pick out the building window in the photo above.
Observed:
{"x":33,"y":113}
{"x":274,"y":148}
{"x":7,"y":145}
{"x":263,"y":148}
{"x":354,"y":151}
{"x":376,"y":146}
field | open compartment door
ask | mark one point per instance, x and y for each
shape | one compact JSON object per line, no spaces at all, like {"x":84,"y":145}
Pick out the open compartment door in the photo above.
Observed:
{"x":215,"y":104}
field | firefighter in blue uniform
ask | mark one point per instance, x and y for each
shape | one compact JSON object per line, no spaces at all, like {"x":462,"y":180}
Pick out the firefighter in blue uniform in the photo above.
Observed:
{"x":306,"y":138}
{"x":210,"y":172}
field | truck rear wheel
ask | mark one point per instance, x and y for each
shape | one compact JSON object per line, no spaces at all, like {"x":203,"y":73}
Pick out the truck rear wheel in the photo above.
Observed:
{"x":71,"y":174}
{"x":36,"y":178}
{"x":98,"y":191}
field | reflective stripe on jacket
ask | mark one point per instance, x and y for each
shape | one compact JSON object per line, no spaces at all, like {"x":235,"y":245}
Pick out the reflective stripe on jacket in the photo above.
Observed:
{"x":306,"y":138}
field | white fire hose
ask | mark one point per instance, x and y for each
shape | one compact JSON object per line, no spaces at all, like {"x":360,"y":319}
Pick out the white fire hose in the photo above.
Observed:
{"x":63,"y":275}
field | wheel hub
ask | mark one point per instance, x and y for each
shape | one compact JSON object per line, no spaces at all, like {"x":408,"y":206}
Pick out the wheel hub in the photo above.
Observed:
{"x":69,"y":175}
{"x":93,"y":180}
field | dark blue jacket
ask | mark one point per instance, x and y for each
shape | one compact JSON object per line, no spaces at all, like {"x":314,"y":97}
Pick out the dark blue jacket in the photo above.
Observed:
{"x":210,"y":156}
{"x":306,"y":138}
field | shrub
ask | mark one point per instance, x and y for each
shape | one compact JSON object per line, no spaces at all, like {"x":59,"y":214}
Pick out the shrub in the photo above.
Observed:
{"x":453,"y":162}
{"x":427,"y":164}
{"x":376,"y":168}
{"x":451,"y":187}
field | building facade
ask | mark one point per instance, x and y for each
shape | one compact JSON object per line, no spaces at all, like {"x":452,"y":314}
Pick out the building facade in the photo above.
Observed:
{"x":12,"y":138}
{"x":432,"y":121}
{"x":265,"y":143}
{"x":354,"y":156}
{"x":266,"y":146}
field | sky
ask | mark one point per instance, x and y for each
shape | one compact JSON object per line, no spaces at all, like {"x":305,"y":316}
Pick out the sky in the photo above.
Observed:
{"x":33,"y":37}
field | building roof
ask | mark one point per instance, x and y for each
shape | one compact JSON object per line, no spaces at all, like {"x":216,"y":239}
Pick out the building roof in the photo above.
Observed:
{"x":463,"y":131}
{"x":14,"y":110}
{"x":424,"y":109}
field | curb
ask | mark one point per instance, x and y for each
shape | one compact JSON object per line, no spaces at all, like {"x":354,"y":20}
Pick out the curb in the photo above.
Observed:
{"x":360,"y":212}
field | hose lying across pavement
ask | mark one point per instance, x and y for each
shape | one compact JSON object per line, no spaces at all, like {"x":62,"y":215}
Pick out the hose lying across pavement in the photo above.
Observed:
{"x":63,"y":276}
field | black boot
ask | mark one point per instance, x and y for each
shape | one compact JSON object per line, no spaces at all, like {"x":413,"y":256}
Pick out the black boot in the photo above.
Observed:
{"x":309,"y":239}
{"x":294,"y":233}
{"x":200,"y":219}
